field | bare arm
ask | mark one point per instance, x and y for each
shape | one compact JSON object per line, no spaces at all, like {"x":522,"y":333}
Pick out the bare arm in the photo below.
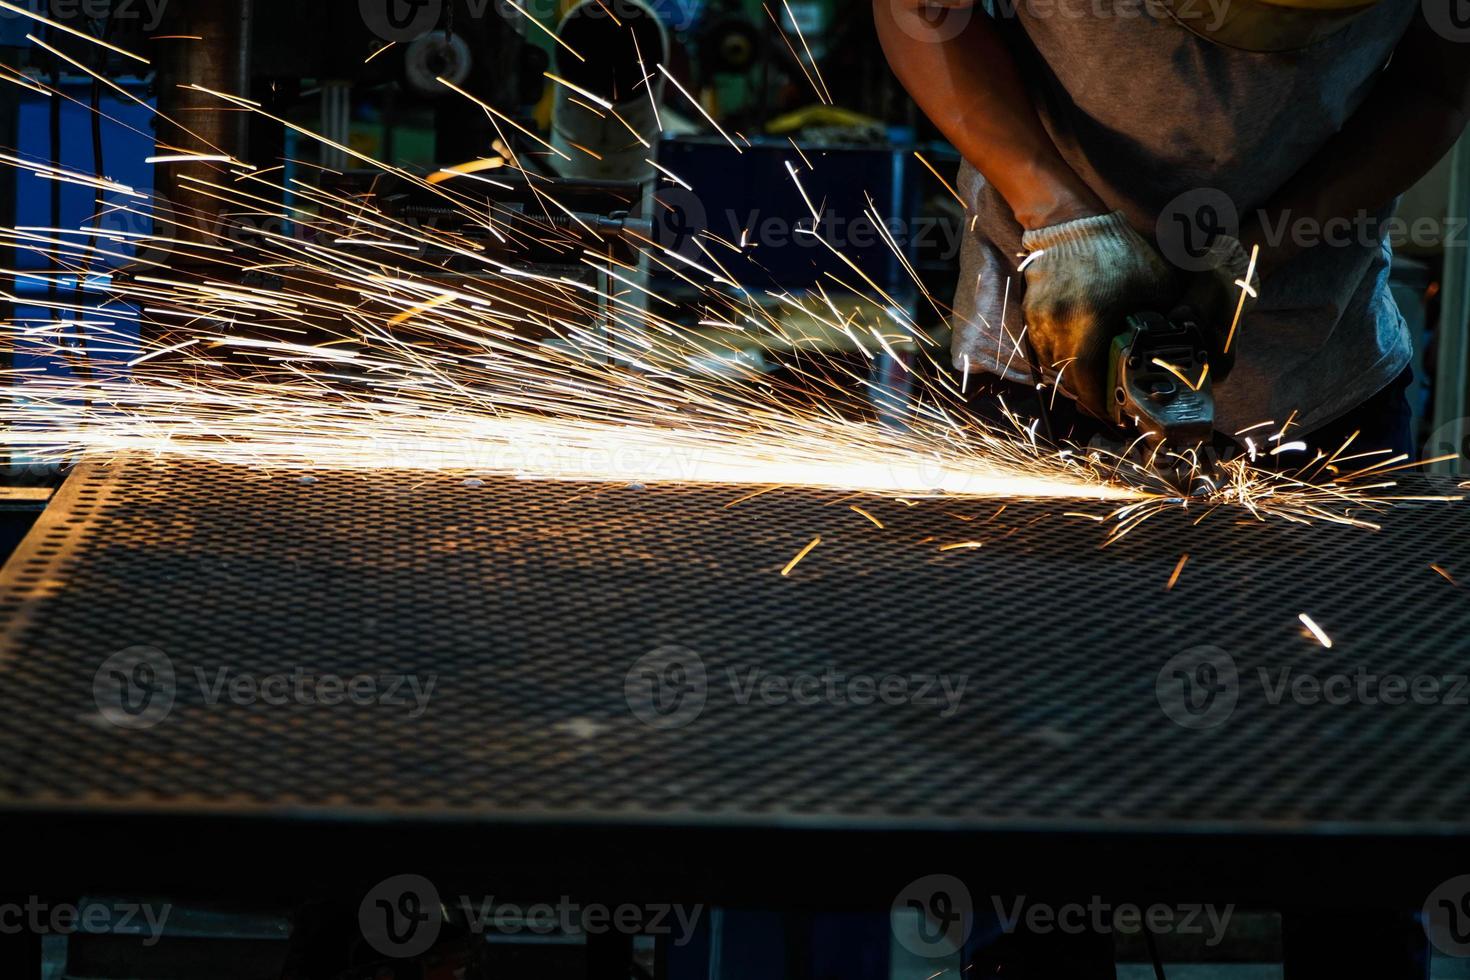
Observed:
{"x":1410,"y":120}
{"x":955,"y":65}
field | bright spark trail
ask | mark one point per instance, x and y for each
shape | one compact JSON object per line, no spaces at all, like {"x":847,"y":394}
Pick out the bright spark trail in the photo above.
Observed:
{"x":357,"y":338}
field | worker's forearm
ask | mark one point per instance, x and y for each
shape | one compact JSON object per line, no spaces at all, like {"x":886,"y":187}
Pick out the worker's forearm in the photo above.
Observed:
{"x":969,"y":86}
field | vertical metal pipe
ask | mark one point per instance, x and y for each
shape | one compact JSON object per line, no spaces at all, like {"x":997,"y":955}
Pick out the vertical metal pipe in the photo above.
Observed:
{"x":220,"y":60}
{"x":1453,"y":370}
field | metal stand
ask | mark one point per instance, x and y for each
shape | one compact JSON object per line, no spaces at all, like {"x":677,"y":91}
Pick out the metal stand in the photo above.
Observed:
{"x":1453,"y":372}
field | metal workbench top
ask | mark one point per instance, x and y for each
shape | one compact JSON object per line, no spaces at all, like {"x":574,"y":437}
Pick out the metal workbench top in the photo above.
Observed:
{"x":188,"y":639}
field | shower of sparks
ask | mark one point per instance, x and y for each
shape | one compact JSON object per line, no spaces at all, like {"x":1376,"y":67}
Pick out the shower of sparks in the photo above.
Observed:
{"x":796,"y":560}
{"x":334,"y":332}
{"x":1315,"y":630}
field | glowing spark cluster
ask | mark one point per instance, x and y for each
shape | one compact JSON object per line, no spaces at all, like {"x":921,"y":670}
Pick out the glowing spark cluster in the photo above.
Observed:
{"x":310,"y":327}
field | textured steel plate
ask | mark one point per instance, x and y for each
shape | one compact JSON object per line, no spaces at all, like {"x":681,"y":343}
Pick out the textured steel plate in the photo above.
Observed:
{"x":529,"y":605}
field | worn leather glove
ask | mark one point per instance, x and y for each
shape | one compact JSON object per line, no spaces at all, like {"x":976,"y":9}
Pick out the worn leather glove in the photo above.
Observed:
{"x":1213,"y":294}
{"x":1083,"y":279}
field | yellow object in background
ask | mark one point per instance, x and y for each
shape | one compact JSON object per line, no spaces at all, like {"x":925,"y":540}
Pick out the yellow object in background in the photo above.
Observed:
{"x":819,"y":115}
{"x":472,"y":167}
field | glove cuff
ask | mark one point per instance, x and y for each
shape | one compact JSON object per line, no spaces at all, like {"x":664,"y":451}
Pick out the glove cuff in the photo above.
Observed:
{"x":1081,"y":233}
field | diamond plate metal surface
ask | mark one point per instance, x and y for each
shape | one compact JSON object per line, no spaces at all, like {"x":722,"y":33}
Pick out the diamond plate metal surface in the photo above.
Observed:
{"x":616,"y":653}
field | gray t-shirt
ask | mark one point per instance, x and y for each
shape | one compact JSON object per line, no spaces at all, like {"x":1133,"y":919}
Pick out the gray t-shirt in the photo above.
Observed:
{"x":1157,"y":120}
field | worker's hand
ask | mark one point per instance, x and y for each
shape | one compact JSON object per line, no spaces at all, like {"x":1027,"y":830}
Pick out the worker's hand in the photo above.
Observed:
{"x":1214,"y":294}
{"x":1082,"y":279}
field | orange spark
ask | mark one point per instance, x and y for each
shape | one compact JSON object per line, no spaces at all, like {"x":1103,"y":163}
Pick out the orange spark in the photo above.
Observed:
{"x":800,"y":555}
{"x":1173,"y":578}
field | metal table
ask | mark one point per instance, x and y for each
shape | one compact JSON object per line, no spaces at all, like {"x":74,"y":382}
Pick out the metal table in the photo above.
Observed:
{"x":629,"y":697}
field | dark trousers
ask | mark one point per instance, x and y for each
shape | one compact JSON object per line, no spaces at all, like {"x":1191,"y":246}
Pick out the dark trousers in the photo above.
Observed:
{"x":1384,"y":421}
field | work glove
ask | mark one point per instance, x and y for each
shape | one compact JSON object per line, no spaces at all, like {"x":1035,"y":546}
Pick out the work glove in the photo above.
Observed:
{"x":1212,"y":296}
{"x":1083,"y":279}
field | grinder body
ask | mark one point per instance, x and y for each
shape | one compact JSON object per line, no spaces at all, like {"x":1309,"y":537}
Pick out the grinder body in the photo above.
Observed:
{"x":1159,"y":381}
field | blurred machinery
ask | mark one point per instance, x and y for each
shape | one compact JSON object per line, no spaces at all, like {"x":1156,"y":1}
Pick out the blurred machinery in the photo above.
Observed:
{"x":623,"y":45}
